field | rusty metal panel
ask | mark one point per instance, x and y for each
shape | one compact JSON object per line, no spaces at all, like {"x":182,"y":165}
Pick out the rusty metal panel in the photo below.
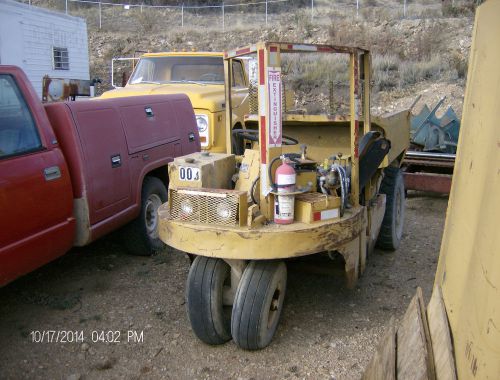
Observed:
{"x":437,"y":183}
{"x":469,"y":264}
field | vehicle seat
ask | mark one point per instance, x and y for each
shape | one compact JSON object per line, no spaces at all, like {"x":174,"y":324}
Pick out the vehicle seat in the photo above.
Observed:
{"x":372,"y":150}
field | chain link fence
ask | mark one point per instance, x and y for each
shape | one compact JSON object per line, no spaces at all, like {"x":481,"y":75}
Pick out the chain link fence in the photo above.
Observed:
{"x":225,"y":15}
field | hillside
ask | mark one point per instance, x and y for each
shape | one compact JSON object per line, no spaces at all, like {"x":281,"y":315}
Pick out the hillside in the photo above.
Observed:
{"x":424,"y":53}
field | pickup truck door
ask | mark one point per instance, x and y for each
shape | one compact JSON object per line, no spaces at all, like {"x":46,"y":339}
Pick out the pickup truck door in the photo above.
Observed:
{"x":36,"y":223}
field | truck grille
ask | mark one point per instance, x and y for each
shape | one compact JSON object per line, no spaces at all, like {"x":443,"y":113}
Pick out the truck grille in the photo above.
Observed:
{"x":207,"y":206}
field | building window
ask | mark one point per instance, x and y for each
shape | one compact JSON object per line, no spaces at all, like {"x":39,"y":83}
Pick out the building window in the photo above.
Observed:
{"x":61,"y":59}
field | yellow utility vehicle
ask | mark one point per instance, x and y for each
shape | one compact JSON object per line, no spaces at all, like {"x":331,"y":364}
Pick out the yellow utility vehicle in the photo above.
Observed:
{"x":340,"y":191}
{"x":199,"y":75}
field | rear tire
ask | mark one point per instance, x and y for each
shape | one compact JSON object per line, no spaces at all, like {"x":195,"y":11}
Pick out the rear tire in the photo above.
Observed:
{"x":258,"y":304}
{"x":391,"y":230}
{"x":142,"y":235}
{"x":209,"y":317}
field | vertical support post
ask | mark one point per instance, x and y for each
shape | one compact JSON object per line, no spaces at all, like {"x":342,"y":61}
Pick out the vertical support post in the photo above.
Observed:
{"x":182,"y":15}
{"x":266,"y":12}
{"x":261,"y":114}
{"x":366,"y":78}
{"x":141,"y":7}
{"x":66,"y":6}
{"x":404,"y":9}
{"x":100,"y":15}
{"x":223,"y":23}
{"x":354,"y":108}
{"x":330,"y":96}
{"x":312,"y":10}
{"x":270,"y":120}
{"x":228,"y":74}
{"x":357,"y":8}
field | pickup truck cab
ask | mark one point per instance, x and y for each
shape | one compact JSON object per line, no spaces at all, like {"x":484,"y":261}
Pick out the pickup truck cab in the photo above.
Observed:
{"x":199,"y":75}
{"x":72,"y":172}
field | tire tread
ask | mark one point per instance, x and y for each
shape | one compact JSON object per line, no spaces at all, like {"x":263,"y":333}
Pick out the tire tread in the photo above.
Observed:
{"x":252,"y":293}
{"x":201,"y":280}
{"x":386,"y":239}
{"x":135,"y":233}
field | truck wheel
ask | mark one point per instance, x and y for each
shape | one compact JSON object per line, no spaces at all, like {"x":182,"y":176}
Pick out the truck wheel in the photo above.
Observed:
{"x":142,"y":235}
{"x":209,"y":317}
{"x":258,"y":304}
{"x":391,"y":230}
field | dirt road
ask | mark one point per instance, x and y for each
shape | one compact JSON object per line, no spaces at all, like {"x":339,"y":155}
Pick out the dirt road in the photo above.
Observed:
{"x":123,"y":317}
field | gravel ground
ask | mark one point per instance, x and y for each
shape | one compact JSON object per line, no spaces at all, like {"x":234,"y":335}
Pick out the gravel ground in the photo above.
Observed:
{"x":100,"y":294}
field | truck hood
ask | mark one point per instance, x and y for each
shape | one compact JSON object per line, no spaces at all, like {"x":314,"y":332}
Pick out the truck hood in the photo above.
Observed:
{"x":210,"y":97}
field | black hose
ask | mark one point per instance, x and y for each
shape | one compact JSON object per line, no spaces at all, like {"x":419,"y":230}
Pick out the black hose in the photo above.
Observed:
{"x":252,"y":189}
{"x":273,"y":185}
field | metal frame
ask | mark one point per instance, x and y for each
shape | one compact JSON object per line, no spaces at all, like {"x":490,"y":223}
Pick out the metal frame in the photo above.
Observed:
{"x":269,"y":60}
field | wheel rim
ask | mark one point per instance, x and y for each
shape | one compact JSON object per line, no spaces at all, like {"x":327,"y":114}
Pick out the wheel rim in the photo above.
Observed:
{"x":153,"y":203}
{"x":227,"y":307}
{"x":274,"y":307}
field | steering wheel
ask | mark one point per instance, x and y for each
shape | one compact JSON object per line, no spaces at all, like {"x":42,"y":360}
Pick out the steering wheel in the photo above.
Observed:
{"x":253,"y":135}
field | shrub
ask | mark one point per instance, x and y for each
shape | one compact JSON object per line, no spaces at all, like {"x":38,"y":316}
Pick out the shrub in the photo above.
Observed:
{"x":413,"y":72}
{"x":450,"y":10}
{"x":385,"y":72}
{"x":459,"y":64}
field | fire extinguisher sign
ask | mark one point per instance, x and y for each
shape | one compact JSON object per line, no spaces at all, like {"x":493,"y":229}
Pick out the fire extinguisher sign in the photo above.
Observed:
{"x":275,"y":106}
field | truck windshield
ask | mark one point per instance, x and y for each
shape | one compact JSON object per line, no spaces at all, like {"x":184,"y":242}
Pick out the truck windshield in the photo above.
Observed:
{"x":183,"y":69}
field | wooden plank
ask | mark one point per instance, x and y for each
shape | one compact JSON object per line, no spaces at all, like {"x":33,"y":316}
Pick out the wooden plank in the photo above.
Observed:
{"x":442,"y":346}
{"x":430,"y":359}
{"x":383,"y":363}
{"x":414,"y":354}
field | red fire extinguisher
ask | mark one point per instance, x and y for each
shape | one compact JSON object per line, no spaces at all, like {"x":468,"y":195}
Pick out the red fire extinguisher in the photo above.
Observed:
{"x":284,"y":202}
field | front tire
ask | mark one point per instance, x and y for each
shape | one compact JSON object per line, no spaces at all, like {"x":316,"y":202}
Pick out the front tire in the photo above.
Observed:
{"x":142,"y":235}
{"x":391,"y":230}
{"x":209,"y":317}
{"x":258,"y":304}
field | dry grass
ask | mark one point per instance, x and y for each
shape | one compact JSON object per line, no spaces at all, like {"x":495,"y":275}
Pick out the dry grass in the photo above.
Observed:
{"x":405,"y":51}
{"x":137,"y":19}
{"x":309,"y":71}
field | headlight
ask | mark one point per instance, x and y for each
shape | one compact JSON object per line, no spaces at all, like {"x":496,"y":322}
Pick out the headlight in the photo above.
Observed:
{"x":186,"y":207}
{"x":224,"y":211}
{"x":202,"y":122}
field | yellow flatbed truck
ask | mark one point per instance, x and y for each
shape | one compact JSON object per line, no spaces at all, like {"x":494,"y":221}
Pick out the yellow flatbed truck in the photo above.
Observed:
{"x":241,"y":217}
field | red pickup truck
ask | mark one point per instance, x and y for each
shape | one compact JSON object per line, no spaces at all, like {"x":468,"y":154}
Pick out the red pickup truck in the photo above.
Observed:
{"x":72,"y":172}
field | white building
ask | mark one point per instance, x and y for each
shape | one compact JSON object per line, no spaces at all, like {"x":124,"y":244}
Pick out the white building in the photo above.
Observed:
{"x":43,"y":42}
